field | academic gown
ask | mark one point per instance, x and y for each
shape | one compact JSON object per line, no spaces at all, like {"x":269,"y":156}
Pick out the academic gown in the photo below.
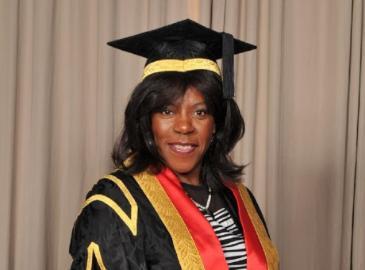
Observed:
{"x":147,"y":221}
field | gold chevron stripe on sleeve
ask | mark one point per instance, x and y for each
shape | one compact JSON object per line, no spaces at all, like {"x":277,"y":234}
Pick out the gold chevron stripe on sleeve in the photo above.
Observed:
{"x":131,"y":224}
{"x":130,"y":199}
{"x":131,"y":221}
{"x":93,"y":249}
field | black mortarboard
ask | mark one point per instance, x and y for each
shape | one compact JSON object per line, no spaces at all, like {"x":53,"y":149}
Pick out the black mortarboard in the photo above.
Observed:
{"x":184,"y":46}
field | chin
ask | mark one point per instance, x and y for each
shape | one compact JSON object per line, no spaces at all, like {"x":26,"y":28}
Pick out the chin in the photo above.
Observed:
{"x":185,"y":169}
{"x":182,"y":170}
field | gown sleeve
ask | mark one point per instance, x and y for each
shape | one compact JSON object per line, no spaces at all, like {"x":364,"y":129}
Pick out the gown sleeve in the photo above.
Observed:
{"x":100,"y":238}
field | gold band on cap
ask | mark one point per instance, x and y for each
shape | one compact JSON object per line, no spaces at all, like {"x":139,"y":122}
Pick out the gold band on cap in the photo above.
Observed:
{"x":181,"y":66}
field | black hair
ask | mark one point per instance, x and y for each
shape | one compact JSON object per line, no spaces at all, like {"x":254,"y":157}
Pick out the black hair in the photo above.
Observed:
{"x":135,"y":150}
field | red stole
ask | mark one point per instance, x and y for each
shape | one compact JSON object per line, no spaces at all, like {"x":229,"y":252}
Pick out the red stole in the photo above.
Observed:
{"x":255,"y":255}
{"x":202,"y":233}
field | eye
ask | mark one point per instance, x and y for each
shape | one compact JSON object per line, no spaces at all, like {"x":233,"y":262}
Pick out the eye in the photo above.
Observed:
{"x":166,"y":111}
{"x":201,"y":113}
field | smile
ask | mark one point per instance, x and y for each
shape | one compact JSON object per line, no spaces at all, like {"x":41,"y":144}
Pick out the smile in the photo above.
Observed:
{"x":182,"y":148}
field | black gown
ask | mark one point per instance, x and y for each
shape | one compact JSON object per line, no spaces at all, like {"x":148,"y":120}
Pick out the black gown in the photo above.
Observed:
{"x":119,"y":228}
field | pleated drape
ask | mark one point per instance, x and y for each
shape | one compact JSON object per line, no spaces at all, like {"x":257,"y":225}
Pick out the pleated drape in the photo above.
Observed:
{"x":353,"y":236}
{"x":63,"y":92}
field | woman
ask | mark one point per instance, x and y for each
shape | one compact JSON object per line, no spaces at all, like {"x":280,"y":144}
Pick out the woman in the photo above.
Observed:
{"x":174,"y":202}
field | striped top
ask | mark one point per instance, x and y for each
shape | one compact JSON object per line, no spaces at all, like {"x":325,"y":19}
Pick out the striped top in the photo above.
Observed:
{"x":229,"y":236}
{"x":223,"y":224}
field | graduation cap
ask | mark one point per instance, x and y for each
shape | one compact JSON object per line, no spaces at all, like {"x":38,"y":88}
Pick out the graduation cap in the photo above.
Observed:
{"x":186,"y":46}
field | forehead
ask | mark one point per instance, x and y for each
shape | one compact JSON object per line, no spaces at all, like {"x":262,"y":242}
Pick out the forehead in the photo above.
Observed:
{"x":191,"y":96}
{"x":175,"y":92}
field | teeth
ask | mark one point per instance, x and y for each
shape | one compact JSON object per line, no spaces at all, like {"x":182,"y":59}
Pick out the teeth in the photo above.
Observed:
{"x":183,"y":148}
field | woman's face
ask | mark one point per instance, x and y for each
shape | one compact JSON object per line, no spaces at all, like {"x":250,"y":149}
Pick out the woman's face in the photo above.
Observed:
{"x":182,"y":132}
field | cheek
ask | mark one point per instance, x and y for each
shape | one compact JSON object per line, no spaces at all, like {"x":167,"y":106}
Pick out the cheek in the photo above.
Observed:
{"x":206,"y":133}
{"x":159,"y":128}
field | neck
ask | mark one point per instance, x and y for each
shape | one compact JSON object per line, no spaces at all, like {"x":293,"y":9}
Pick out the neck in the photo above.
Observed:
{"x":189,"y":179}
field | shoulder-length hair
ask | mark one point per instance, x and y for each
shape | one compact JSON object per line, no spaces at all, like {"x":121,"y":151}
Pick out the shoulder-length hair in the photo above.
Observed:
{"x":135,"y":150}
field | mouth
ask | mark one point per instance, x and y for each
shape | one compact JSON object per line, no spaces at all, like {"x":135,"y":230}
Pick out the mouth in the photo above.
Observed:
{"x":182,"y":148}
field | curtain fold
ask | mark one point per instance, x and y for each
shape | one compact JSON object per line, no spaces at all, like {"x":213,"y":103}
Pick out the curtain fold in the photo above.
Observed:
{"x":8,"y":37}
{"x":302,"y":94}
{"x":357,"y":111}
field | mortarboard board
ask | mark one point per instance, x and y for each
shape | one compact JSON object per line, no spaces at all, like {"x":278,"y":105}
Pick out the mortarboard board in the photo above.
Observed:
{"x":185,"y":46}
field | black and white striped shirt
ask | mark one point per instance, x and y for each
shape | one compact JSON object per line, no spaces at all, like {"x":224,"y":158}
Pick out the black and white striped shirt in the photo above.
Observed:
{"x":222,"y":222}
{"x":229,"y":236}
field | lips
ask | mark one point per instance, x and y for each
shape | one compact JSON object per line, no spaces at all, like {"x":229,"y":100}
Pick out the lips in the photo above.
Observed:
{"x":182,"y":148}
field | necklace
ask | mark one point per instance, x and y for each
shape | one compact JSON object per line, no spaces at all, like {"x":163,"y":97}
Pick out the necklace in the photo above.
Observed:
{"x":205,"y":208}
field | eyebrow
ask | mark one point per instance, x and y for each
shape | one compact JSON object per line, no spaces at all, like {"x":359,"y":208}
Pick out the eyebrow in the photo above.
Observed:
{"x":200,"y":103}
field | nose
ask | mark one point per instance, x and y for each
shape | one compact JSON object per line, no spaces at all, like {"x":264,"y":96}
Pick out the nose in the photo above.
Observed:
{"x":183,"y":124}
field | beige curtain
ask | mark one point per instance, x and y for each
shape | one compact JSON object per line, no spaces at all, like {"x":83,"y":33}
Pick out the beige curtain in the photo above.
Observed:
{"x":302,"y":93}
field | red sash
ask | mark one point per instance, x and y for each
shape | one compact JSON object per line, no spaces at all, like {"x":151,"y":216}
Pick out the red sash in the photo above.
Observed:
{"x":255,"y":255}
{"x":202,"y":233}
